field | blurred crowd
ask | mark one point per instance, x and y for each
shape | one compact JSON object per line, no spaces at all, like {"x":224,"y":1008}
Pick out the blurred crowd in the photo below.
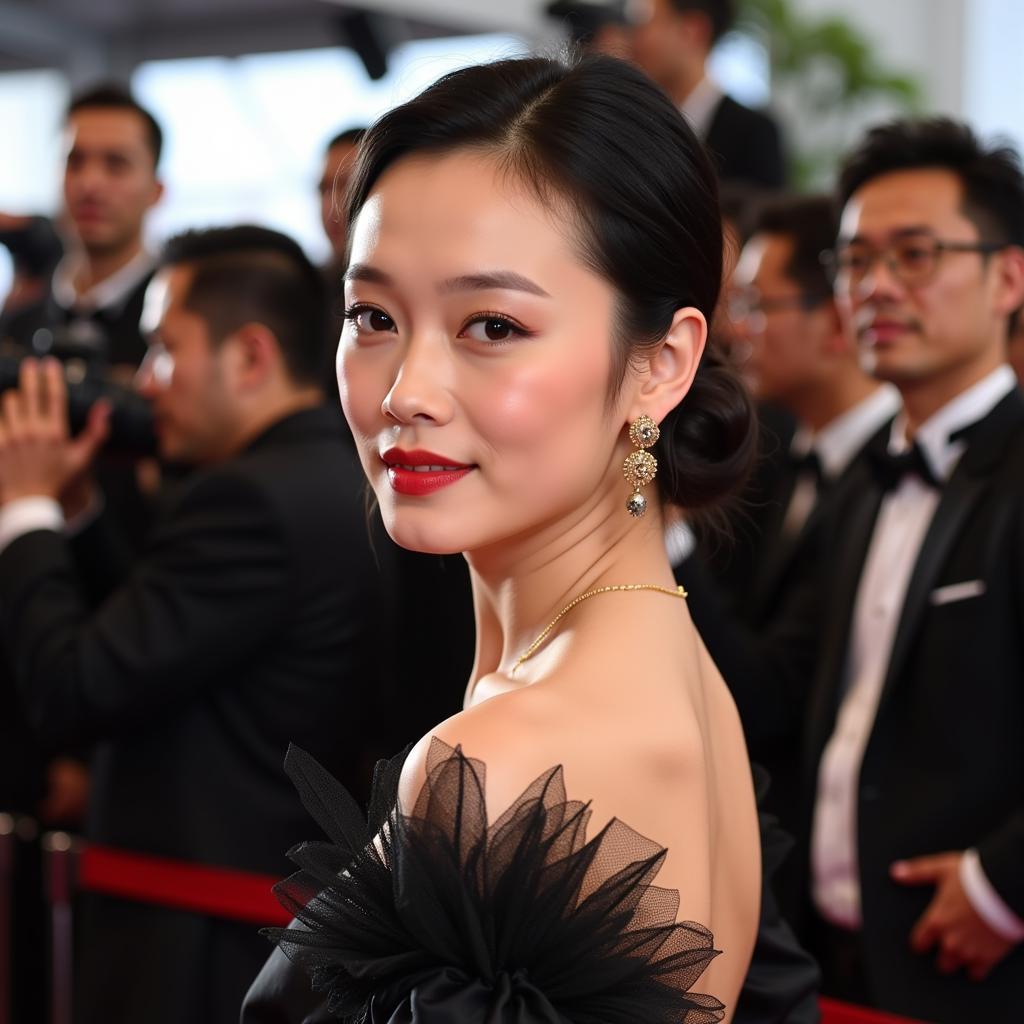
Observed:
{"x":192,"y":578}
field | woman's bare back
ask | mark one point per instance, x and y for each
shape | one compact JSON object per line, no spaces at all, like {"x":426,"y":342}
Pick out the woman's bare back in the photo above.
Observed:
{"x":651,"y":739}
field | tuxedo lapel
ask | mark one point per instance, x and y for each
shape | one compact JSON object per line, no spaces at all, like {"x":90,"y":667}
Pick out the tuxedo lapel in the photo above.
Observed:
{"x":969,"y":481}
{"x":959,"y":497}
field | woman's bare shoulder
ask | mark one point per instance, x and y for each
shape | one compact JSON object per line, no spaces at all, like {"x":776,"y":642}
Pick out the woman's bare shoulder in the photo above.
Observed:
{"x":508,"y":734}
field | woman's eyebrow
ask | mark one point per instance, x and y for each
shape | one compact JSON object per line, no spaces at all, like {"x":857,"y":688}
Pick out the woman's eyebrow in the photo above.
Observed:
{"x":364,"y":272}
{"x":505,"y":280}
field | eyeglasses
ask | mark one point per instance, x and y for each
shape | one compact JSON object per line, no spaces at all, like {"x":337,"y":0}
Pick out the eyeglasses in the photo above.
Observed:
{"x":750,"y":304}
{"x":912,"y":261}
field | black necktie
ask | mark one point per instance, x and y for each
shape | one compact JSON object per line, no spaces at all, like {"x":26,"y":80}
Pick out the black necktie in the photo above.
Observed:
{"x":890,"y":468}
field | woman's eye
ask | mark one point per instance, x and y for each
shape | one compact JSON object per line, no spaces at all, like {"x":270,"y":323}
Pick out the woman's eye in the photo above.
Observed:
{"x":369,"y":319}
{"x":491,"y":329}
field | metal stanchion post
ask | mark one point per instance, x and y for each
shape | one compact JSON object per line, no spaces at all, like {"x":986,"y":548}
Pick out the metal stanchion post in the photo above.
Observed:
{"x":6,"y":900}
{"x":58,"y":851}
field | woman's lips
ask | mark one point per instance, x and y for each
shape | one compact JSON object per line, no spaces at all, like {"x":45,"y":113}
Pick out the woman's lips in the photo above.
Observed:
{"x":423,"y":480}
{"x":418,"y":473}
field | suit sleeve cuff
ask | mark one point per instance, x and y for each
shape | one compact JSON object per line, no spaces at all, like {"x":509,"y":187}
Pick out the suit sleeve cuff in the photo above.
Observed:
{"x":26,"y":515}
{"x":988,"y":904}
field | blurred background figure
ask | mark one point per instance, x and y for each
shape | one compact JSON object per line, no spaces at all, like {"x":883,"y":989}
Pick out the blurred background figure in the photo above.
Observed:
{"x":672,"y":40}
{"x":252,"y":618}
{"x":595,"y":27}
{"x":799,"y":357}
{"x":35,"y":249}
{"x":339,"y":159}
{"x":112,"y":148}
{"x":912,"y":750}
{"x":1015,"y":347}
{"x":338,"y":162}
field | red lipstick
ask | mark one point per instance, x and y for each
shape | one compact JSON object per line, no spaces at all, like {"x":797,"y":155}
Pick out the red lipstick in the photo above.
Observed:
{"x":417,"y":473}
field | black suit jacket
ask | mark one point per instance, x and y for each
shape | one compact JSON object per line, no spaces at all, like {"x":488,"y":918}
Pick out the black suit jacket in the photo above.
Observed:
{"x":249,"y":621}
{"x":746,"y":145}
{"x":943,"y":768}
{"x":733,"y":556}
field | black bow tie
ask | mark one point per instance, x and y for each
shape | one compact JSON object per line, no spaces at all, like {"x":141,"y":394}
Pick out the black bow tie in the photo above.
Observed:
{"x":890,"y":468}
{"x":808,"y":464}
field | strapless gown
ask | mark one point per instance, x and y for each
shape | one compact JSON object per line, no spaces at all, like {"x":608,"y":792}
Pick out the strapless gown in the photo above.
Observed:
{"x":437,"y":916}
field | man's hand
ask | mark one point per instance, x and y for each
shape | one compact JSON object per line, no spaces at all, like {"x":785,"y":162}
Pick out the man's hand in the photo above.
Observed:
{"x":38,"y":456}
{"x":951,"y":923}
{"x":67,"y":793}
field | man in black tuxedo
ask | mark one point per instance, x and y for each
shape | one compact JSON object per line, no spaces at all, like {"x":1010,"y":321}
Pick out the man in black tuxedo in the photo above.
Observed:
{"x":672,"y":44}
{"x":799,"y":357}
{"x":249,"y":620}
{"x":915,"y":775}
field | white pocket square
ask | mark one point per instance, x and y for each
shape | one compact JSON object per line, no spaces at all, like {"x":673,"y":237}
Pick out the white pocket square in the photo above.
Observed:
{"x":957,"y":592}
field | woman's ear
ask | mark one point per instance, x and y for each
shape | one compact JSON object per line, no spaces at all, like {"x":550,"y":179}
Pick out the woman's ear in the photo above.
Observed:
{"x":669,"y":371}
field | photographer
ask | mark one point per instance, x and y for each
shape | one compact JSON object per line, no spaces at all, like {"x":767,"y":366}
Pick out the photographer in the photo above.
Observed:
{"x":247,"y":621}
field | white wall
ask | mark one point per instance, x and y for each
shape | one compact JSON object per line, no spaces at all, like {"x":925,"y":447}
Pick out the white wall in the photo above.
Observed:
{"x":993,"y":97}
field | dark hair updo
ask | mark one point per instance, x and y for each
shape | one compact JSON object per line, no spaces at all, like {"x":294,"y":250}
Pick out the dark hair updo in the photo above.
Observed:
{"x":644,"y":198}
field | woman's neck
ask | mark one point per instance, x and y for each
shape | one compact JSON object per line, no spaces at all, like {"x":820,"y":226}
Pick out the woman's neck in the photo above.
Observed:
{"x":520,"y":585}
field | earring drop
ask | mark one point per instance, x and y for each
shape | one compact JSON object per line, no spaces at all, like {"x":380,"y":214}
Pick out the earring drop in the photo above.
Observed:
{"x":640,"y":466}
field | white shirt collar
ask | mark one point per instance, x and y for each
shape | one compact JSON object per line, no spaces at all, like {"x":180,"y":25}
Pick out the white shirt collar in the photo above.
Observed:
{"x":840,"y":440}
{"x":700,"y":106}
{"x":968,"y":407}
{"x":110,"y":292}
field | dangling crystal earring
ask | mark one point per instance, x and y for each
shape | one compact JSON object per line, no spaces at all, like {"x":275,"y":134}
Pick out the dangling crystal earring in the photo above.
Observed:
{"x":640,"y":466}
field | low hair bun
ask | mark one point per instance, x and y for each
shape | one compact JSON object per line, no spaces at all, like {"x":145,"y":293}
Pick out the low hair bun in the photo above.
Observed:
{"x":708,"y":442}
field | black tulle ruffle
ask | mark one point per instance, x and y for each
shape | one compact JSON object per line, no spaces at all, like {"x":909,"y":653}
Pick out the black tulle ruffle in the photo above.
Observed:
{"x":436,"y":916}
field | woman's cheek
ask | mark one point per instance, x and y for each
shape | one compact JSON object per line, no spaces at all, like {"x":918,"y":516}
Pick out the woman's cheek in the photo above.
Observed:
{"x":358,"y":387}
{"x":520,"y":404}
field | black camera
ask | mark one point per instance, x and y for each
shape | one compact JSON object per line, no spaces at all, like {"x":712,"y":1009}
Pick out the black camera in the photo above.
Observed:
{"x":88,"y":380}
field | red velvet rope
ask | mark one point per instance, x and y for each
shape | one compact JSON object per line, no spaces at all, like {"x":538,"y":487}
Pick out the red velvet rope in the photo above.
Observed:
{"x":833,"y":1012}
{"x":219,"y":892}
{"x":244,"y":896}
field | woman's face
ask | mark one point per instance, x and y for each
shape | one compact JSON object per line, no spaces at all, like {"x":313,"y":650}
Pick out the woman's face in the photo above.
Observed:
{"x":475,"y":359}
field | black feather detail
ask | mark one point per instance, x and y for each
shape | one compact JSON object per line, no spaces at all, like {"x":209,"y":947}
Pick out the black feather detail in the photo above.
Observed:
{"x":443,"y":917}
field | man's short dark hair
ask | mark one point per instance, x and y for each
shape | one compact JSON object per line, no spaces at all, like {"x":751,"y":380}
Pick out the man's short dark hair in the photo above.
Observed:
{"x":721,"y":14}
{"x":112,"y":96}
{"x":349,"y":137}
{"x":811,"y":223}
{"x":248,"y":274}
{"x":991,"y":176}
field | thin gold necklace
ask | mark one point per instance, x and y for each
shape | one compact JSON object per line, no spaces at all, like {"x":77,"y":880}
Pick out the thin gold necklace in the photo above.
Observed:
{"x":532,"y":649}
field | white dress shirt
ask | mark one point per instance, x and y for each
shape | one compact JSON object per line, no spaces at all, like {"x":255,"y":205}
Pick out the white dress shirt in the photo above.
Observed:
{"x":110,"y":293}
{"x":903,"y":520}
{"x":26,"y":515}
{"x":835,"y":445}
{"x":700,"y":106}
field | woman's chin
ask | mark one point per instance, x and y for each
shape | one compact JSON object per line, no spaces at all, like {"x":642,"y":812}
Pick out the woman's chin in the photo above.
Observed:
{"x":428,"y":541}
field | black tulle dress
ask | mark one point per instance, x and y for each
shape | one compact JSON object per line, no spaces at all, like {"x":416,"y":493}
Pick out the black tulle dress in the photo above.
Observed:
{"x":436,"y":916}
